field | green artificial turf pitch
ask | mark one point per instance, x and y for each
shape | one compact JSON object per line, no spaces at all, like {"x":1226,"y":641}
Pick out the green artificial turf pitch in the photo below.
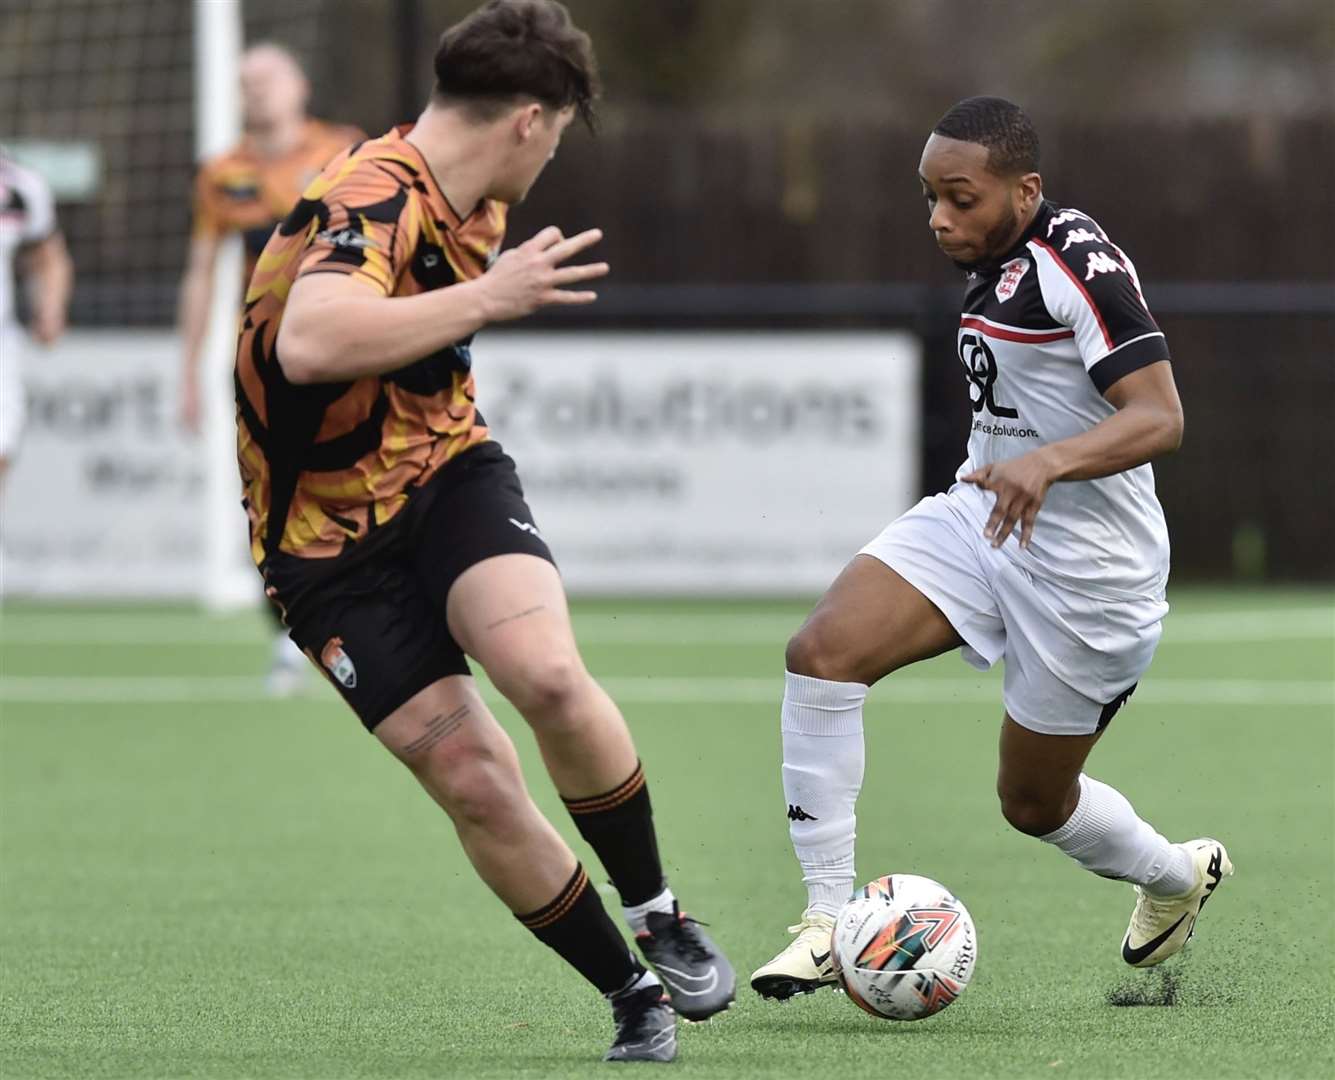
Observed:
{"x":196,"y":881}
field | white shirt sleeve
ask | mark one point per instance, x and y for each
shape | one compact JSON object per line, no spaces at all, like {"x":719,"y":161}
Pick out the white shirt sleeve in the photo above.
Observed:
{"x":39,"y":219}
{"x":1091,"y":286}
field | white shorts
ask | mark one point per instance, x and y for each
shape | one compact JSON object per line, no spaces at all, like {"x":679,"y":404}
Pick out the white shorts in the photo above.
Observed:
{"x":1071,"y":659}
{"x":13,"y":403}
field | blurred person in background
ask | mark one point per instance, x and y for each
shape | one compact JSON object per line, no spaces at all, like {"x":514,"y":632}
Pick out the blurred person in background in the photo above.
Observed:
{"x":32,"y":249}
{"x":248,"y":190}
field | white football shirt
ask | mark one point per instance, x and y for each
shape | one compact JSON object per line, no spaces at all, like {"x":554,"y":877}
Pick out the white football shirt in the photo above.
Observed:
{"x":1044,"y":332}
{"x":27,"y":216}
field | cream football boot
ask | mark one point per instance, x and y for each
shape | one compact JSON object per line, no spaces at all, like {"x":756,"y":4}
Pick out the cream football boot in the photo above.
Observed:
{"x":804,"y":966}
{"x":1161,"y":925}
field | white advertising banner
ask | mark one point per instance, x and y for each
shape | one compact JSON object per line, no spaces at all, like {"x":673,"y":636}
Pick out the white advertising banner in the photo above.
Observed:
{"x":106,"y":494}
{"x":706,"y":462}
{"x":675,"y":462}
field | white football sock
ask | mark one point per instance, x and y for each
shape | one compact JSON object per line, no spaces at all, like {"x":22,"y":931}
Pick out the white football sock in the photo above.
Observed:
{"x":823,"y":759}
{"x":642,"y":981}
{"x":635,"y":916}
{"x":1105,"y":835}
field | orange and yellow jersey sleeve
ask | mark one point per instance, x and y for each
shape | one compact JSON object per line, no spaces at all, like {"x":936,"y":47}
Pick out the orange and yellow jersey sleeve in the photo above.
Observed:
{"x":325,"y":465}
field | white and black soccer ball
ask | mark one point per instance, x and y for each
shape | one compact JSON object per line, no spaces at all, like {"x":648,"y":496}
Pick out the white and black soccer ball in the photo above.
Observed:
{"x":903,"y":948}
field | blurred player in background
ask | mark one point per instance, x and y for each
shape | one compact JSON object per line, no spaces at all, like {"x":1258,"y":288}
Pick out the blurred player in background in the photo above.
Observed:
{"x":1050,"y":551}
{"x":248,"y":190}
{"x":393,"y":531}
{"x":32,"y":252}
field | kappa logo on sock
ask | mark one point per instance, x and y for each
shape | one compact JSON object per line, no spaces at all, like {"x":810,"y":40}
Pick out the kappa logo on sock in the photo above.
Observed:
{"x":796,"y":813}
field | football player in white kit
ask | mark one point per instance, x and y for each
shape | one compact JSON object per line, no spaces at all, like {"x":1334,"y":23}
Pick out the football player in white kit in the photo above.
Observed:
{"x":1049,"y":552}
{"x":31,"y":246}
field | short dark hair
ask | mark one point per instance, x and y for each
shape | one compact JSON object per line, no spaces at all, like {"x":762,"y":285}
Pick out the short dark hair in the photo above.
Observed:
{"x":999,"y":125}
{"x":508,"y":49}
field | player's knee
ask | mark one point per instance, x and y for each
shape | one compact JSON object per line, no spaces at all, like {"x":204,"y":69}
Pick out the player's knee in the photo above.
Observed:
{"x":476,"y":788}
{"x":814,"y":652}
{"x":1030,"y":812}
{"x":545,"y":687}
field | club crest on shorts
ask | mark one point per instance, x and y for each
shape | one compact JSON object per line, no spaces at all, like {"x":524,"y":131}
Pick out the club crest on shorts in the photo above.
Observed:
{"x":338,"y":663}
{"x":1011,"y":273}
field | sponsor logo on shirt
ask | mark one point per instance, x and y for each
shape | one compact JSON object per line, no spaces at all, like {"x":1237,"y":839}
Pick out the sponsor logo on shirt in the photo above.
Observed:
{"x":347,"y":240}
{"x":1005,"y":430}
{"x":981,"y":366}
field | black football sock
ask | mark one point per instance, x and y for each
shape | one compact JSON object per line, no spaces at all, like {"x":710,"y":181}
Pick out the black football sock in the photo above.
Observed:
{"x":578,"y":927}
{"x":619,"y":826}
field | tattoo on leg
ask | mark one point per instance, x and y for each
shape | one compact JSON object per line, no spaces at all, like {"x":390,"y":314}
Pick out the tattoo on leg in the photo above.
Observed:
{"x":441,"y":726}
{"x":521,"y":615}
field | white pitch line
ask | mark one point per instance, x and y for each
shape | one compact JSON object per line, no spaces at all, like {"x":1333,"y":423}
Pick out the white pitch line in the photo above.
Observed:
{"x":668,"y":629}
{"x":642,"y":690}
{"x":1280,"y":625}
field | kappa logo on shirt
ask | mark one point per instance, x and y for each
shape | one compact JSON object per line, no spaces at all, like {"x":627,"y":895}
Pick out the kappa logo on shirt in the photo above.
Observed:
{"x":1011,"y":273}
{"x":1100,"y":262}
{"x":1080,"y":236}
{"x":1065,"y":216}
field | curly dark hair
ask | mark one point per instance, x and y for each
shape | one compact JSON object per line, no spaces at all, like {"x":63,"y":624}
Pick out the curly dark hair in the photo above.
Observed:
{"x":508,"y":49}
{"x":999,"y":125}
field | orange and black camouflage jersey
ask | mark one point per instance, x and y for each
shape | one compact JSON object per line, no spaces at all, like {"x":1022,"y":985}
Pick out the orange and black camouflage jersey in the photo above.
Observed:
{"x":242,"y":192}
{"x":325,"y":465}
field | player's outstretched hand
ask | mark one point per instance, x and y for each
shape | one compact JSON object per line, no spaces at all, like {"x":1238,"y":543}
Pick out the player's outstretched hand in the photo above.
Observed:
{"x":1020,"y":484}
{"x":531,"y":276}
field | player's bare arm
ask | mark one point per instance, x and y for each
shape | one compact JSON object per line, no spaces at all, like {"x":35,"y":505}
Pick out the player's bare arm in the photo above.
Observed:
{"x":51,"y":273}
{"x":193,"y":307}
{"x":1147,"y":425}
{"x":338,"y":328}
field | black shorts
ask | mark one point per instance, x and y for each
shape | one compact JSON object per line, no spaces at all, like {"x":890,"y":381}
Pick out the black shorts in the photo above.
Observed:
{"x":373,"y":619}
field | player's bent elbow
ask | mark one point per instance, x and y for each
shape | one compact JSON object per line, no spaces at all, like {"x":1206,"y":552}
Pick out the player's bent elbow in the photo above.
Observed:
{"x":1173,"y":429}
{"x":297,"y":356}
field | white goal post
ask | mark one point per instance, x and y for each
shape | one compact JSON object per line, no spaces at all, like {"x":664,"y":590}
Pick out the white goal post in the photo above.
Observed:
{"x":227,"y":579}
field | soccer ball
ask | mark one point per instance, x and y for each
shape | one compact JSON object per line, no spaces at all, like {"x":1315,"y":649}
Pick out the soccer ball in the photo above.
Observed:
{"x":903,"y":948}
